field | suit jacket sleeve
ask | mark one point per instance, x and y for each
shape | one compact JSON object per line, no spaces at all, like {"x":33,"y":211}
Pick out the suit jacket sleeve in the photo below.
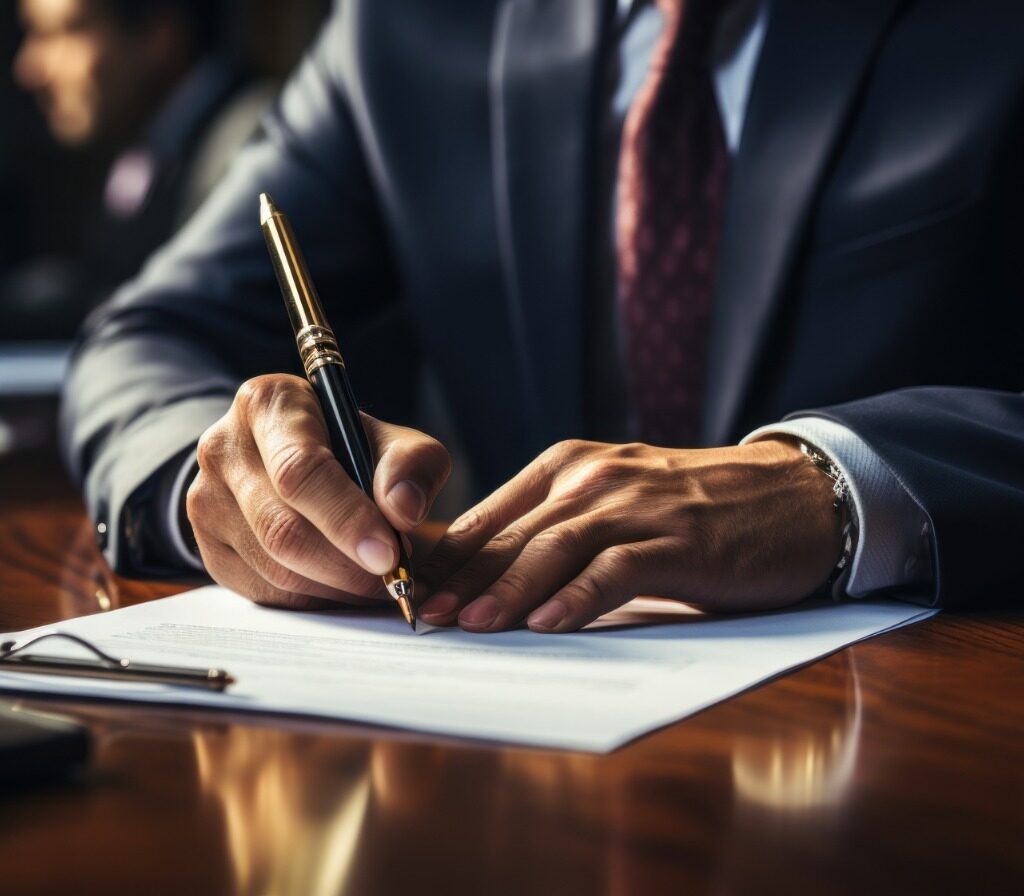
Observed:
{"x":161,"y":361}
{"x":959,"y":452}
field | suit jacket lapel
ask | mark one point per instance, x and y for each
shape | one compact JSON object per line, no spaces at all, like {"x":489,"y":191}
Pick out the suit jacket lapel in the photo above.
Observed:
{"x":542,"y":84}
{"x":812,"y":64}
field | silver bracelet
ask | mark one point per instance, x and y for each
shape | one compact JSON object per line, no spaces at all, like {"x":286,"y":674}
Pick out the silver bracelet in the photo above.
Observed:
{"x":843,"y":505}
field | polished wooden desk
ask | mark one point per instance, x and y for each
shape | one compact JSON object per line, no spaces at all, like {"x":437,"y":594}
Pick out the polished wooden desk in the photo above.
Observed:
{"x":894,"y":766}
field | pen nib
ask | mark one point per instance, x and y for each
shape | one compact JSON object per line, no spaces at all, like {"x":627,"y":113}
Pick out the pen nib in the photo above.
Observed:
{"x":267,"y":208}
{"x":406,"y":607}
{"x":400,"y":587}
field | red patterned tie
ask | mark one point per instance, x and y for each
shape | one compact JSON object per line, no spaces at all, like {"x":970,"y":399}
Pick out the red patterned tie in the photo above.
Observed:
{"x":673,"y":168}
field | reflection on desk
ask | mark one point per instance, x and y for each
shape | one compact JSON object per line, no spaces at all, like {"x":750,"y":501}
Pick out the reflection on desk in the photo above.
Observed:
{"x":808,"y":758}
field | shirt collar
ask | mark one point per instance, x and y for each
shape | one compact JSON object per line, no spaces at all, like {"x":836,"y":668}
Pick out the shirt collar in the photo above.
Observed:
{"x":736,"y":22}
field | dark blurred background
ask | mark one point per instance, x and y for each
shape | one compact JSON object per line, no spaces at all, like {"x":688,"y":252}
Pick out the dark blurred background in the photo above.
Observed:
{"x":118,"y":116}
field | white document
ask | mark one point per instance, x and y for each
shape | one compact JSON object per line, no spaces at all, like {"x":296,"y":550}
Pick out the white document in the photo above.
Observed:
{"x":648,"y":664}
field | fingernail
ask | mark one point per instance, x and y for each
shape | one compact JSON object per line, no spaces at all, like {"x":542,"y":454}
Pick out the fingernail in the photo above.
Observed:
{"x":440,"y":604}
{"x":481,"y":613}
{"x":548,"y":616}
{"x":409,"y":500}
{"x":377,"y":556}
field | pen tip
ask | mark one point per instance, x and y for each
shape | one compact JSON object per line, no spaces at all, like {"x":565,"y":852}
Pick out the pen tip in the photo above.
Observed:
{"x":267,"y":208}
{"x":405,"y":605}
{"x":400,"y":586}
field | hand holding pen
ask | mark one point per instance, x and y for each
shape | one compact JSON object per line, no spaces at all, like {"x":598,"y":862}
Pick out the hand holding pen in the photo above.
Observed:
{"x":278,"y":519}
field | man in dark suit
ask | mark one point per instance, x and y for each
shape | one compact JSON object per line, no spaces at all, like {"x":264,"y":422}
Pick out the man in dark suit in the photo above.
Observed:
{"x":674,"y":223}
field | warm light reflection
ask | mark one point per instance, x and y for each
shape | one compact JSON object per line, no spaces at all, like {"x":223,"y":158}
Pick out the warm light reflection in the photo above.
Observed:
{"x":808,"y":759}
{"x":86,"y":582}
{"x":288,"y":830}
{"x":319,"y":815}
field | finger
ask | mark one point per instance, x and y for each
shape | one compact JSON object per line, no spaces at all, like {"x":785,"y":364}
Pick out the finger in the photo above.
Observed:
{"x":615,"y":576}
{"x":471,"y":531}
{"x":412,"y":468}
{"x":490,"y":561}
{"x":228,"y":569}
{"x":219,"y":520}
{"x":290,"y":435}
{"x":349,"y":584}
{"x":271,"y":533}
{"x":551,"y":559}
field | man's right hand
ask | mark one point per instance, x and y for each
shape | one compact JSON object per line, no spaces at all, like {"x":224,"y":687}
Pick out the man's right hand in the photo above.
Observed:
{"x":276,"y":517}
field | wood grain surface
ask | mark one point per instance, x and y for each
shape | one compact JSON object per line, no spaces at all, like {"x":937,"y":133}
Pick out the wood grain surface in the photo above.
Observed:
{"x":895,"y":766}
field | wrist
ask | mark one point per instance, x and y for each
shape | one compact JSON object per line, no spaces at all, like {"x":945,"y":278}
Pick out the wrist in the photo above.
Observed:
{"x":842,"y":504}
{"x":815,"y":528}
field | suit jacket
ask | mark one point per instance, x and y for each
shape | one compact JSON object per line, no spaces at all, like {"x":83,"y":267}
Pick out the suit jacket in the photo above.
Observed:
{"x":438,"y":162}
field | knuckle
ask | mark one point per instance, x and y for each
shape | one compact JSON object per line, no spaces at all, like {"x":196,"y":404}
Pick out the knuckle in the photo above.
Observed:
{"x":623,"y":557}
{"x":632,"y":450}
{"x":349,"y":515}
{"x":281,"y":532}
{"x":517,"y":583}
{"x":297,"y":467}
{"x":552,"y":453}
{"x":560,"y":540}
{"x":469,"y":524}
{"x":198,"y":500}
{"x":423,"y":459}
{"x":440,"y":458}
{"x":598,"y":475}
{"x":510,"y":541}
{"x":560,"y":452}
{"x":256,"y":393}
{"x":212,"y":447}
{"x":195,"y":497}
{"x":582,"y":594}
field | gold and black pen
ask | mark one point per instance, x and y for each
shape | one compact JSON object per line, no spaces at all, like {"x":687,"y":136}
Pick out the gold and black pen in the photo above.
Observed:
{"x":325,"y":370}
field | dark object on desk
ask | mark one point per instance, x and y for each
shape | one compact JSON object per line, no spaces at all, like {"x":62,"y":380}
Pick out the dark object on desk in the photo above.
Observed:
{"x":19,"y":657}
{"x":35,"y":747}
{"x":325,"y":369}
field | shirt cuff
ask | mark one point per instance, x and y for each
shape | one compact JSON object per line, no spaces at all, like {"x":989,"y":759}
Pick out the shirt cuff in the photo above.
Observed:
{"x":183,"y":477}
{"x":894,"y":534}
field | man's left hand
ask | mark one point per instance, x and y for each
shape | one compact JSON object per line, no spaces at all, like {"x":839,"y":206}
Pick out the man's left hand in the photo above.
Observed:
{"x":588,"y":526}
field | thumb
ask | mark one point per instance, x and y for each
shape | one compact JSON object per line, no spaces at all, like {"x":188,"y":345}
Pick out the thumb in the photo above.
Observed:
{"x":412,"y":467}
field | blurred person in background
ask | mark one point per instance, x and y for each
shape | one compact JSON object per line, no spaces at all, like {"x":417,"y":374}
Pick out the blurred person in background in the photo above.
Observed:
{"x":146,"y":83}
